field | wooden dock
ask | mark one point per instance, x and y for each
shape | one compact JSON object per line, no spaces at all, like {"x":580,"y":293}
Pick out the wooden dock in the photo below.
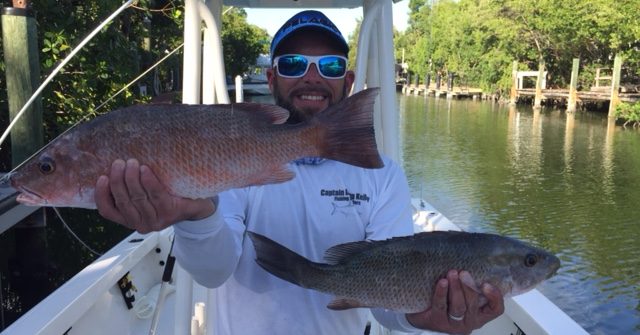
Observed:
{"x":458,"y":92}
{"x":610,"y":93}
{"x":582,"y":96}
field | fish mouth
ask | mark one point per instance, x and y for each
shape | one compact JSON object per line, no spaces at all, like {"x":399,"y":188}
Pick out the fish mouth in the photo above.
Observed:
{"x":554,"y":267}
{"x":553,"y":272}
{"x":30,"y":198}
{"x":5,"y":181}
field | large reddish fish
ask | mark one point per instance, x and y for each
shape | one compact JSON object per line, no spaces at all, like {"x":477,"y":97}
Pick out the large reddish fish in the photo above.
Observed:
{"x":197,"y":151}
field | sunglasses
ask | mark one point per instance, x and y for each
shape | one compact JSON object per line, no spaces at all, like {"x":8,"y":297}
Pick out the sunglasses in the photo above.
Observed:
{"x":296,"y":66}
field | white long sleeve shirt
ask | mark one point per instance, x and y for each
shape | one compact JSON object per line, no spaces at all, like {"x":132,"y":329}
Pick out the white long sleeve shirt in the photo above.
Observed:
{"x":324,"y":205}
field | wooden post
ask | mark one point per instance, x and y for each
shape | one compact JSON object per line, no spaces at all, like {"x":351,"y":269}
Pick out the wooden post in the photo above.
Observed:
{"x":20,"y":46}
{"x":450,"y":77}
{"x":573,"y":91}
{"x":538,"y":98}
{"x":615,"y":86}
{"x":513,"y":97}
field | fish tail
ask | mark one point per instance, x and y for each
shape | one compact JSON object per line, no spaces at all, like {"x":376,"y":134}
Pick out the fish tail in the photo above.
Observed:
{"x":349,"y":136}
{"x":280,"y":261}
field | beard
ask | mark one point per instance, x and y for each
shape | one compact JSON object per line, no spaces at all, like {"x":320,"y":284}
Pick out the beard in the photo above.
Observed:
{"x":296,"y":115}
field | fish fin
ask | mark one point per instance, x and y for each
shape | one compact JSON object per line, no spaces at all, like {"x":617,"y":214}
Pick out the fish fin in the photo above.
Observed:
{"x":279,"y":260}
{"x":341,"y":304}
{"x":273,"y":114}
{"x":337,"y":253}
{"x":276,"y":175}
{"x":346,"y":131}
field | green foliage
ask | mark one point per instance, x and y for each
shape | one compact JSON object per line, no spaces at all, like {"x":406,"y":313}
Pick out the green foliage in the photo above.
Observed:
{"x":352,"y":40}
{"x":630,"y":113}
{"x":104,"y":66}
{"x":479,"y":39}
{"x":242,"y":43}
{"x":135,"y":40}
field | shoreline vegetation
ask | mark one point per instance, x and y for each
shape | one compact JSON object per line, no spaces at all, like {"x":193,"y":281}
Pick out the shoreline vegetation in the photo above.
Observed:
{"x":479,"y":40}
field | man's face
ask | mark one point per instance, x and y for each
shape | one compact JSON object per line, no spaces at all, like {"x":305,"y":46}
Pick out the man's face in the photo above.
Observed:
{"x":311,"y":93}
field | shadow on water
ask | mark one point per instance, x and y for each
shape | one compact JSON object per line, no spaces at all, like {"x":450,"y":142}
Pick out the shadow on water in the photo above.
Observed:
{"x":567,"y":182}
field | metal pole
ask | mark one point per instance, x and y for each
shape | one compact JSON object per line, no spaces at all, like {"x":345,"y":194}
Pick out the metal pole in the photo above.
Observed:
{"x":192,"y":66}
{"x":192,"y":58}
{"x":209,"y":54}
{"x":239,"y":89}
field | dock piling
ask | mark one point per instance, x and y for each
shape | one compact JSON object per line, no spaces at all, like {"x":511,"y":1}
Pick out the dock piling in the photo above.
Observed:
{"x":538,"y":98}
{"x":573,"y":86}
{"x":513,"y":96}
{"x":615,"y":86}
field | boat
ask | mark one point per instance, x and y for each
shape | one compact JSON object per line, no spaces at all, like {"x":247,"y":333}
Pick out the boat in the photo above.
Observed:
{"x":134,"y":287}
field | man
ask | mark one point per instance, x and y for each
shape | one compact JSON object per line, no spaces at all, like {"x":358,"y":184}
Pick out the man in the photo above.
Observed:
{"x":309,"y":214}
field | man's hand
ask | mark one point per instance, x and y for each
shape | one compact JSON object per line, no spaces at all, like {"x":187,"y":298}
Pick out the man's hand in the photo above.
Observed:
{"x":133,"y":196}
{"x":457,"y":308}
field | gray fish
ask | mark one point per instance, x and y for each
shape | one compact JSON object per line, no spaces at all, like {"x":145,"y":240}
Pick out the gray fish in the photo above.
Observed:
{"x":400,"y":273}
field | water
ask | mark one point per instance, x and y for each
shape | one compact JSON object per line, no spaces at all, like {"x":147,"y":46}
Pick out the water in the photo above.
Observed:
{"x":568,"y":182}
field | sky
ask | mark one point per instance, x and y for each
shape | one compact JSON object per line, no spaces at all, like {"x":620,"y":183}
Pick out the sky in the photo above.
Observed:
{"x":345,"y":19}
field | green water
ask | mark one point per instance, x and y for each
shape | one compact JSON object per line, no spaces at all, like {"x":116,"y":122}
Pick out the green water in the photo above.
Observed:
{"x":568,"y":182}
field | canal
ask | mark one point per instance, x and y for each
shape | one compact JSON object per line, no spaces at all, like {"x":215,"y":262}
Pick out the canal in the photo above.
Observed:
{"x":567,"y":182}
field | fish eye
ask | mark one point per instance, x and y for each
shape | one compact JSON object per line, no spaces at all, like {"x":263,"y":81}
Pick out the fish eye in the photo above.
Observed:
{"x":46,"y":165}
{"x":530,"y":260}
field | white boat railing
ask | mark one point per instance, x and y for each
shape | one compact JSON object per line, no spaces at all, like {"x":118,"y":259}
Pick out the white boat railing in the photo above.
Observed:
{"x":81,"y":295}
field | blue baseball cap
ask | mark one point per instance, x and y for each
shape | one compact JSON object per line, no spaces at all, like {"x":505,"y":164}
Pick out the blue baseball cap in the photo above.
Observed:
{"x":308,"y":19}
